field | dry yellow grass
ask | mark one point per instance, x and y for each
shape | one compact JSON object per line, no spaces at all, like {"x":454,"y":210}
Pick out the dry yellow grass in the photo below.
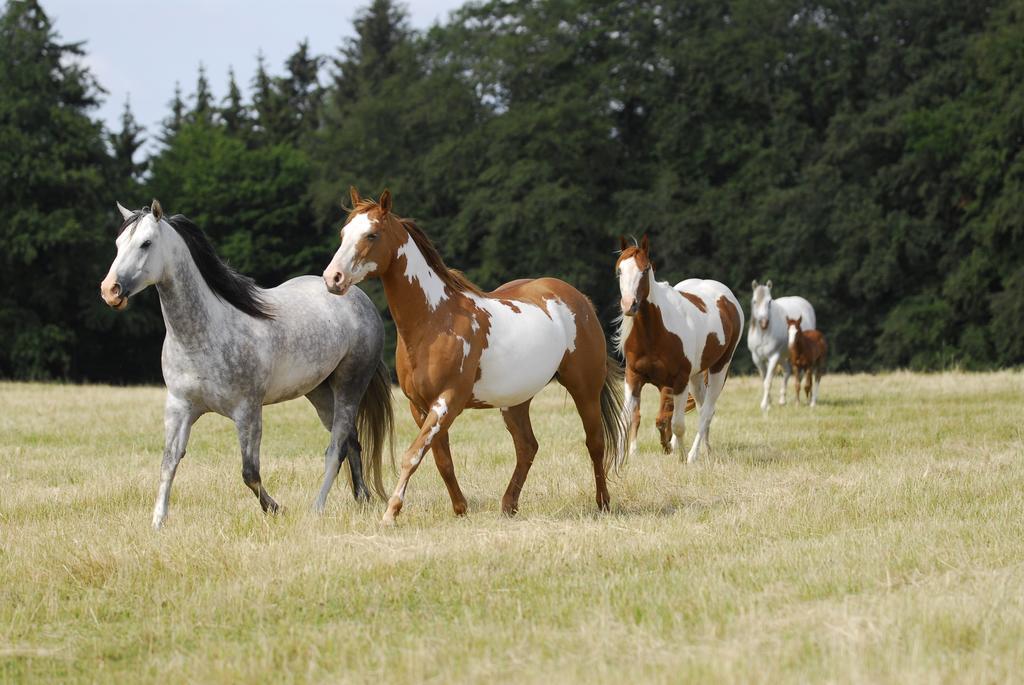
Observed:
{"x":878,"y":538}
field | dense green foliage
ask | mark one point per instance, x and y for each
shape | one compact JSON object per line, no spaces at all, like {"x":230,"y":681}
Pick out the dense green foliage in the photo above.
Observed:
{"x":864,"y":154}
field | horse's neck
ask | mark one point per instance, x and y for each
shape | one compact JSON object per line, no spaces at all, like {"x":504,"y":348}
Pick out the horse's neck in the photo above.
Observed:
{"x":664,"y":295}
{"x":777,"y":335}
{"x":647,"y":326}
{"x":192,"y":311}
{"x":802,"y":347}
{"x":416,"y":295}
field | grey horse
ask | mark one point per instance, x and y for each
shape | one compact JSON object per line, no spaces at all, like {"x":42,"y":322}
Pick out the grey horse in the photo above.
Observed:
{"x":232,"y":347}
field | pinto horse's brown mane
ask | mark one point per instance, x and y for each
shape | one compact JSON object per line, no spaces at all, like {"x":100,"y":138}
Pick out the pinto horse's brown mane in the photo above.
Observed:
{"x":453,"y":278}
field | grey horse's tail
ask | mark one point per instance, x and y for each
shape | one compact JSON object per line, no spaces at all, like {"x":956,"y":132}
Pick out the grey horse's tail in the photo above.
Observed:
{"x":612,"y":421}
{"x":376,"y":424}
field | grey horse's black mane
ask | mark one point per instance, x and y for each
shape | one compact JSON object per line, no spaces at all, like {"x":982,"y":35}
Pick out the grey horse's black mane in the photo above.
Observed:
{"x":237,"y":290}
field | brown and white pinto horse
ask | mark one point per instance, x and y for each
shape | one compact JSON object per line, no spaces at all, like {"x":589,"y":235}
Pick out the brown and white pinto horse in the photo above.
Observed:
{"x":670,"y":337}
{"x":807,"y":353}
{"x":462,"y":348}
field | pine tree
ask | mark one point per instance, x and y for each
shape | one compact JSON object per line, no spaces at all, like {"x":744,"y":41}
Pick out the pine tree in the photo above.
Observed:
{"x":233,"y":112}
{"x":288,"y":107}
{"x":173,"y":123}
{"x":56,"y":175}
{"x":203,"y":110}
{"x":266,"y":102}
{"x":125,"y":145}
{"x":382,"y":31}
{"x":302,"y":91}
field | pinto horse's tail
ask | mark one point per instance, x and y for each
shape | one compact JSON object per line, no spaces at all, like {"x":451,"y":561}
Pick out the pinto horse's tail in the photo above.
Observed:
{"x":376,"y":424}
{"x":616,"y":435}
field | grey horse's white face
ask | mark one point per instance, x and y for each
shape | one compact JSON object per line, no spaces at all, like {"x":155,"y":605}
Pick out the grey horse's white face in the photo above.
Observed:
{"x":140,"y":260}
{"x":761,"y":305}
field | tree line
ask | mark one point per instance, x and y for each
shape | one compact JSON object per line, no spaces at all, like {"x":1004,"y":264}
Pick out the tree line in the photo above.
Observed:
{"x":863,"y":154}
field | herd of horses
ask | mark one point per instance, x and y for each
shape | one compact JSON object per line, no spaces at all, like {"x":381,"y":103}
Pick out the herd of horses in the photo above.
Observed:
{"x":232,"y":347}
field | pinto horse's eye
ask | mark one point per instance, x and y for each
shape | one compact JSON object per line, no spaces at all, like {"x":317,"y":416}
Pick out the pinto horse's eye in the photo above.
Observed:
{"x":372,"y":236}
{"x":618,"y":273}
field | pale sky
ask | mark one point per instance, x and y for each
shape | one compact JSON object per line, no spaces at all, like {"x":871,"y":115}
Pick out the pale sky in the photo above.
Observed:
{"x":139,"y":48}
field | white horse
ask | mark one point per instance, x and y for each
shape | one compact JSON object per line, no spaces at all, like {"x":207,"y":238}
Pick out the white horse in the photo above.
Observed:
{"x":768,"y":337}
{"x":232,"y":347}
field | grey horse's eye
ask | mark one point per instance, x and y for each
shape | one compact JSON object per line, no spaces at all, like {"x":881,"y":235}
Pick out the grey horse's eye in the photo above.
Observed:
{"x":145,"y":245}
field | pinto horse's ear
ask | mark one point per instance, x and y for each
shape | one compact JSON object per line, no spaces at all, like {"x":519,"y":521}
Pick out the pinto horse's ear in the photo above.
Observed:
{"x":769,"y":284}
{"x":623,"y":243}
{"x":353,"y":195}
{"x":158,"y":211}
{"x":385,"y":201}
{"x":645,"y":244}
{"x":125,"y":212}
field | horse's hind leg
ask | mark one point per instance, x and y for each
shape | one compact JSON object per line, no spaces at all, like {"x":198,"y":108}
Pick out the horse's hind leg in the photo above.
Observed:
{"x":347,"y":393}
{"x":355,"y":467}
{"x":699,"y":389}
{"x":322,"y":398}
{"x":249,"y":423}
{"x":716,"y":381}
{"x":808,"y":384}
{"x":178,"y":419}
{"x":634,"y":384}
{"x":517,"y":421}
{"x":585,"y":389}
{"x":817,"y":384}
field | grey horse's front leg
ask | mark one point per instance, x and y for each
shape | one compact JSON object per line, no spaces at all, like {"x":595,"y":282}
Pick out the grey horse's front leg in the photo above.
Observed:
{"x":179,"y":415}
{"x":250,"y":431}
{"x":787,"y":371}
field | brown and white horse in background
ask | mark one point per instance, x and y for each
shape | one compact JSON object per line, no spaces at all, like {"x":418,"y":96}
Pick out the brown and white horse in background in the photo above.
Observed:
{"x":462,"y":348}
{"x":807,"y":353}
{"x":670,"y":336}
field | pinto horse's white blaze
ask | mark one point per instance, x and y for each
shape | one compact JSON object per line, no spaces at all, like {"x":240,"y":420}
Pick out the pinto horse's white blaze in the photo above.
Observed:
{"x":629,"y":280}
{"x":345,"y":259}
{"x":525,"y":346}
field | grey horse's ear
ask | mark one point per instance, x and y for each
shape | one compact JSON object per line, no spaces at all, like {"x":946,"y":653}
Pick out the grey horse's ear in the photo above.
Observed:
{"x":753,"y":284}
{"x":353,"y":195}
{"x":385,"y":201}
{"x":769,"y":284}
{"x":158,"y":211}
{"x":125,"y":213}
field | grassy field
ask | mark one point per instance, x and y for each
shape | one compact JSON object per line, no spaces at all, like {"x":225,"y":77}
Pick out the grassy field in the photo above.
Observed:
{"x":878,"y":538}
